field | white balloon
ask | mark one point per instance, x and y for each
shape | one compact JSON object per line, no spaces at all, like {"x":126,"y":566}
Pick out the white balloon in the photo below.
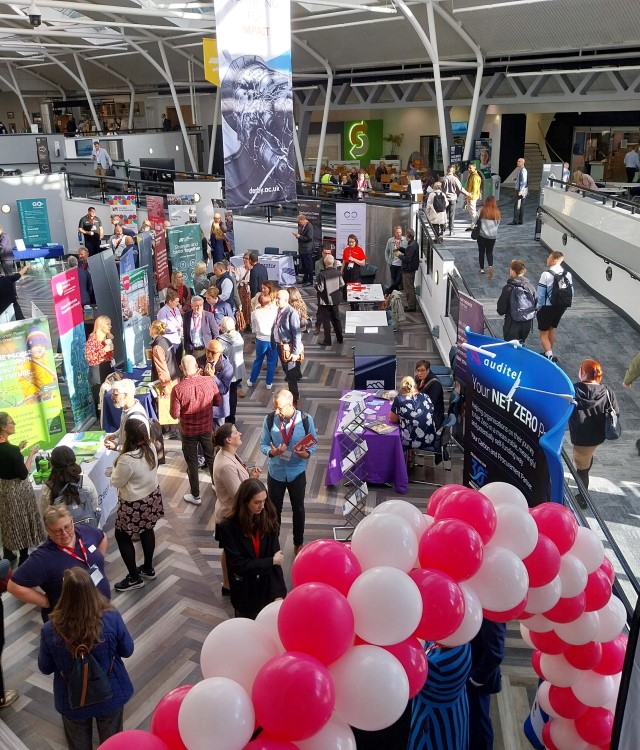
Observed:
{"x":268,"y":618}
{"x":557,"y":670}
{"x":539,"y":624}
{"x":611,"y":620}
{"x":237,"y":649}
{"x":501,"y":493}
{"x":336,"y":734}
{"x":543,"y":699}
{"x":382,"y":539}
{"x":372,"y":688}
{"x":515,"y":530}
{"x":573,"y":575}
{"x":502,"y":581}
{"x":526,"y":635}
{"x":408,"y":511}
{"x":542,"y":598}
{"x":594,"y":689}
{"x":216,"y":712}
{"x":429,"y":519}
{"x":564,"y":735}
{"x":386,"y":604}
{"x":580,"y":631}
{"x":588,"y":549}
{"x":471,"y":622}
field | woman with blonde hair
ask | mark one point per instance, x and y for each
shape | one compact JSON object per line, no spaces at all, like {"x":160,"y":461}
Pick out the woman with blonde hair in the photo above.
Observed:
{"x":584,"y":180}
{"x":200,"y":279}
{"x":98,"y":352}
{"x":298,"y":304}
{"x":268,"y":287}
{"x":183,"y":291}
{"x":83,"y":621}
{"x":217,"y":237}
{"x":414,"y":412}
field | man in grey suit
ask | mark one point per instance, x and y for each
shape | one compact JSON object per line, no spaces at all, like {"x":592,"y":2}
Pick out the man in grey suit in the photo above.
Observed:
{"x":329,"y":284}
{"x":304,"y":235}
{"x":286,"y":336}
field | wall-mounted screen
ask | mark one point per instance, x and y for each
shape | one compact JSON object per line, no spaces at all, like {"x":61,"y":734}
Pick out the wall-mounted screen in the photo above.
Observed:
{"x":84,"y":147}
{"x":459,"y":128}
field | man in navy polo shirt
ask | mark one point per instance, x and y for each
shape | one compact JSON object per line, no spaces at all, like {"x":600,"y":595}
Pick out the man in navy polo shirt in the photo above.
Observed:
{"x":39,"y":580}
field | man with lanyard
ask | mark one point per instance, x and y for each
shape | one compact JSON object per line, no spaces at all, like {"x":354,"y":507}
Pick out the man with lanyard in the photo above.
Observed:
{"x":91,"y":227}
{"x":286,"y":336}
{"x":215,"y":364}
{"x":123,"y":395}
{"x":68,"y":546}
{"x":225,"y":284}
{"x":281,"y":432}
{"x":394,"y":245}
{"x":117,"y":241}
{"x":304,"y":235}
{"x":199,"y":328}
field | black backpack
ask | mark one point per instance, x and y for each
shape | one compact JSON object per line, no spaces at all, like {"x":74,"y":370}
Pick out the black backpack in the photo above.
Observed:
{"x":305,"y":421}
{"x":439,"y":202}
{"x":562,"y":290}
{"x":88,"y":683}
{"x":522,"y":304}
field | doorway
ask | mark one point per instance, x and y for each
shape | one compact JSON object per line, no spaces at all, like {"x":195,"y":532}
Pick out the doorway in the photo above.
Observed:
{"x":187,"y":114}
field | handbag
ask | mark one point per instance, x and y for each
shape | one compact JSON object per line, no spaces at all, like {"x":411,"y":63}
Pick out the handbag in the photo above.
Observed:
{"x":475,"y":232}
{"x":612,"y":426}
{"x":88,"y":682}
{"x":241,"y":323}
{"x":110,"y":172}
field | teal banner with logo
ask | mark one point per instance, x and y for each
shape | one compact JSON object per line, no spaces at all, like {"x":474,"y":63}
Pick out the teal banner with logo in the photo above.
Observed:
{"x":34,"y":220}
{"x":185,"y":247}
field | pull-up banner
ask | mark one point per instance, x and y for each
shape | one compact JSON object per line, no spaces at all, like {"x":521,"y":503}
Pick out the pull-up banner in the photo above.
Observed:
{"x":254,"y":56}
{"x":351,"y":218}
{"x":518,"y":405}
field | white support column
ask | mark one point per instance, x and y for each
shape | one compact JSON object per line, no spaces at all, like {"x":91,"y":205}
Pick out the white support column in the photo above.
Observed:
{"x":83,"y":83}
{"x":120,"y":77}
{"x":13,"y":85}
{"x":214,"y":131}
{"x":296,"y":147}
{"x":442,"y":119}
{"x":192,"y":96}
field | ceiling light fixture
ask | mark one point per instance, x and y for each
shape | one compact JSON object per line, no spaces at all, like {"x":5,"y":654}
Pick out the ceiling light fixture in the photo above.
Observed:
{"x":356,"y":6}
{"x":410,"y":80}
{"x":606,"y":69}
{"x":6,"y":208}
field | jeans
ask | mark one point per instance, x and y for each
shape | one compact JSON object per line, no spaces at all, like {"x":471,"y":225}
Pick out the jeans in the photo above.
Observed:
{"x":264,"y":348}
{"x":306,"y":265}
{"x":485,"y":245}
{"x":296,"y":489}
{"x":329,"y":315}
{"x":78,"y":733}
{"x":409,"y":284}
{"x":190,"y":445}
{"x":451,"y":213}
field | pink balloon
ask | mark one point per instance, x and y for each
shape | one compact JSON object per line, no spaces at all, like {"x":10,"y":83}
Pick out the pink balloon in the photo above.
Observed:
{"x":535,"y":663}
{"x":543,"y":564}
{"x":452,"y":547}
{"x":595,"y":726}
{"x":548,"y":643}
{"x":507,"y":615}
{"x":316,"y":619}
{"x":264,"y":743}
{"x":584,"y":657}
{"x":472,"y":507}
{"x":546,"y":737}
{"x":134,"y":738}
{"x":598,"y":590}
{"x":164,"y":722}
{"x":442,"y":604}
{"x":293,"y":696}
{"x":564,"y":702}
{"x":441,"y":494}
{"x":326,"y":561}
{"x":567,"y":609}
{"x":613,"y":653}
{"x":607,"y":566}
{"x":558,"y":523}
{"x":411,"y":655}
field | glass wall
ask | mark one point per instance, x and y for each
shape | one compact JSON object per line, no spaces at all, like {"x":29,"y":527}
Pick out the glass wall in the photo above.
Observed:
{"x":600,"y":151}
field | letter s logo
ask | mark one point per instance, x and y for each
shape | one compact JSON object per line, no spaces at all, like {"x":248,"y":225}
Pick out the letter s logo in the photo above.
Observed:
{"x":358,"y":139}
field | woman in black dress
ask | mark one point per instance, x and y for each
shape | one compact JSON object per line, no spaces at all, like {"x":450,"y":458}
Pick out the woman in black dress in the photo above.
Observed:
{"x":249,"y":537}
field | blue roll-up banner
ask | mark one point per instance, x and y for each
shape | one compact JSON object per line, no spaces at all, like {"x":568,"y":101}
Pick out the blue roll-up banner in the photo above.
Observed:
{"x":254,"y":45}
{"x":518,"y":405}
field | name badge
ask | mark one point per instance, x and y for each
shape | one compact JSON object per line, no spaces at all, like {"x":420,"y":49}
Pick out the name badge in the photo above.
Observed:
{"x":96,"y":575}
{"x":286,"y":456}
{"x":92,"y":548}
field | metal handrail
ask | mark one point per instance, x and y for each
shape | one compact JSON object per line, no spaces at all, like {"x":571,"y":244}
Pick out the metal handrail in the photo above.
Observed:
{"x":623,"y":202}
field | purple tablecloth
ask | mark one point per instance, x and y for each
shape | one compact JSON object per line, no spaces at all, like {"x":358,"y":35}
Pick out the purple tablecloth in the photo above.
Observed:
{"x":384,"y":462}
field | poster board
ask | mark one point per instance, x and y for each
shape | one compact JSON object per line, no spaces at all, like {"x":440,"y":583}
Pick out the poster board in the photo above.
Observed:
{"x":34,"y":221}
{"x":134,"y":296}
{"x":351,"y":218}
{"x":185,"y":247}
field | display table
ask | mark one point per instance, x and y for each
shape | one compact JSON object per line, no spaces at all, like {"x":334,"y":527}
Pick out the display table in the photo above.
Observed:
{"x":280,"y":268}
{"x":384,"y":462}
{"x":111,"y":414}
{"x":366,"y":319}
{"x":365,"y":293}
{"x":49,"y":252}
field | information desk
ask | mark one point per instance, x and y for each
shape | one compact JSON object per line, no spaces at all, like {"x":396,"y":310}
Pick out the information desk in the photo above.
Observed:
{"x":34,"y":253}
{"x":280,"y":268}
{"x":366,"y":319}
{"x":111,"y":414}
{"x":384,"y":462}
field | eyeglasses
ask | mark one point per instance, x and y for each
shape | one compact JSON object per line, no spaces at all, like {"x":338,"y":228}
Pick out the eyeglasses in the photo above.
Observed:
{"x":60,"y":532}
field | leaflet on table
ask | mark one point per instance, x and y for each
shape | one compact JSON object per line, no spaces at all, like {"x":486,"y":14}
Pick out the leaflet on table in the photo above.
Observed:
{"x":353,"y":457}
{"x":382,"y":428}
{"x":87,"y":443}
{"x":353,"y":396}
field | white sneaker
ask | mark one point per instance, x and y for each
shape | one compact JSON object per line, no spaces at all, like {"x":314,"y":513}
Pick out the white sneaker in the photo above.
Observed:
{"x":249,"y":384}
{"x":189,"y":498}
{"x":269,"y":386}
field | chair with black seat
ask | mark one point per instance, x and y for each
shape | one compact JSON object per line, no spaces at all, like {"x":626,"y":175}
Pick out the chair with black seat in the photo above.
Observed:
{"x":444,"y":373}
{"x":272,"y":251}
{"x":368,"y":273}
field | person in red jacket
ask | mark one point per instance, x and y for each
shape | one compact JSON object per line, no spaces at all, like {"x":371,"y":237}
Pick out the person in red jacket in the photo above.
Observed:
{"x":353,"y":259}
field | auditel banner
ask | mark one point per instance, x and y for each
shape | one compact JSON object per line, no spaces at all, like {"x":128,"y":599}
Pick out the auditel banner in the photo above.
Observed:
{"x":134,"y":295}
{"x":155,"y":214}
{"x":30,"y":392}
{"x":351,"y":218}
{"x":518,"y":404}
{"x":254,"y":56}
{"x":185,"y":247}
{"x":67,"y":305}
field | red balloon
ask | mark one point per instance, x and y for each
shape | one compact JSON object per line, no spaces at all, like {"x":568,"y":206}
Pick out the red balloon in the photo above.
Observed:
{"x":452,"y":547}
{"x":556,"y":522}
{"x":316,"y":619}
{"x":442,"y":604}
{"x":293,"y":696}
{"x":507,"y":615}
{"x":441,"y":494}
{"x":584,"y":657}
{"x":411,"y":655}
{"x":546,"y":737}
{"x":597,"y":590}
{"x":543,"y":564}
{"x":164,"y":722}
{"x":326,"y":561}
{"x":472,"y":507}
{"x":567,"y":609}
{"x":564,"y":702}
{"x":535,"y":663}
{"x":548,"y":643}
{"x":264,"y":743}
{"x":607,"y":566}
{"x":134,"y":738}
{"x":595,"y":726}
{"x":612,"y":656}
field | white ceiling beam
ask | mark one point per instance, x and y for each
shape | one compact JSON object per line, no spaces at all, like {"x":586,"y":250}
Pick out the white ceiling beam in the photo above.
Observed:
{"x":51,"y":25}
{"x":125,"y":11}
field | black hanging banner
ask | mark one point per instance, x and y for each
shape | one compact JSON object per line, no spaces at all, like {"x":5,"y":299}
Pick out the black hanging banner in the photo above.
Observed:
{"x":44,"y":160}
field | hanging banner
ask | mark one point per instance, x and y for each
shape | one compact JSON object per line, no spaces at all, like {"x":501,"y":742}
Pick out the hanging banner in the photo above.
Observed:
{"x":351,"y":218}
{"x":210,"y":60}
{"x":471,"y":317}
{"x":30,"y":392}
{"x":67,"y":305}
{"x":518,"y":404}
{"x":34,"y":221}
{"x":254,"y":44}
{"x":145,"y":243}
{"x":124,"y":208}
{"x":134,"y":294}
{"x":44,"y":159}
{"x":185,"y":247}
{"x":155,"y":214}
{"x":312,"y":209}
{"x":182,"y":209}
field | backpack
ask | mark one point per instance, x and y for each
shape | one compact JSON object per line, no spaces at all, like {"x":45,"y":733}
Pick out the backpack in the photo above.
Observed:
{"x":562,"y":290}
{"x":522,"y":304}
{"x":439,"y":202}
{"x":305,"y":421}
{"x":78,"y":505}
{"x":88,"y":683}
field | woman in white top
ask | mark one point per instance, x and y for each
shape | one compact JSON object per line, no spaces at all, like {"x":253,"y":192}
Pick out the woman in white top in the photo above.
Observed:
{"x":135,"y":476}
{"x":437,"y":203}
{"x":584,"y":180}
{"x":262,"y":320}
{"x":234,"y":351}
{"x":171,"y":314}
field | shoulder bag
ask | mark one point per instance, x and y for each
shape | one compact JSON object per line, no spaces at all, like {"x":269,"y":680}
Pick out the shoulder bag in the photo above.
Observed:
{"x":612,"y":426}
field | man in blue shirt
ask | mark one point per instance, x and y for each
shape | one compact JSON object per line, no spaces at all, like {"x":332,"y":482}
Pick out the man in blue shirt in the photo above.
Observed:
{"x":281,"y":432}
{"x":522,"y":188}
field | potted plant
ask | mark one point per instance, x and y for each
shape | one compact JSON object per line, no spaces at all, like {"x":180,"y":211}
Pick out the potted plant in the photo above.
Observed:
{"x":396,"y":141}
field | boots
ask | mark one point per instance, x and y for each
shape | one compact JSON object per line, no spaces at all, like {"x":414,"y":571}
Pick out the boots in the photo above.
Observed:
{"x":583,"y":476}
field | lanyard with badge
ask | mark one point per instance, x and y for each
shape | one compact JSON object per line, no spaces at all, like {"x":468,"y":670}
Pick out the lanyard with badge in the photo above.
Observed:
{"x":286,"y":437}
{"x":94,"y":571}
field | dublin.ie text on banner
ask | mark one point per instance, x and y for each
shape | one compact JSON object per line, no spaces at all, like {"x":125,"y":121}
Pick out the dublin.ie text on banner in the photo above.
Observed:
{"x":254,"y":55}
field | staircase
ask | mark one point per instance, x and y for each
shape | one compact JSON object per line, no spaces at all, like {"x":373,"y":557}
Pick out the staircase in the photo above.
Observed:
{"x":533,"y":159}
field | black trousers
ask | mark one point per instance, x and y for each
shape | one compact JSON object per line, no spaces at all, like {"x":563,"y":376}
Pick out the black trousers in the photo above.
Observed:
{"x":329,"y":315}
{"x":190,"y":445}
{"x":631,"y":173}
{"x":306,"y":265}
{"x":451,"y":214}
{"x":233,"y":400}
{"x":291,"y":376}
{"x":513,"y":329}
{"x":297,"y":488}
{"x":396,"y":278}
{"x":480,"y":728}
{"x":485,"y":247}
{"x":518,"y":207}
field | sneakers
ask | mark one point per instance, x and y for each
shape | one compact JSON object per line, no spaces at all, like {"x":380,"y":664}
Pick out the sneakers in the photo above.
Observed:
{"x":469,"y":229}
{"x":482,"y":270}
{"x":150,"y":575}
{"x":581,"y":501}
{"x":249,"y":384}
{"x":129,"y":583}
{"x":490,"y":272}
{"x":10,"y":696}
{"x":269,"y":386}
{"x":189,"y":498}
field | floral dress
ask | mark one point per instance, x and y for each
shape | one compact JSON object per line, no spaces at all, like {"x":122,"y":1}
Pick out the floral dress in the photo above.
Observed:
{"x":417,"y":428}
